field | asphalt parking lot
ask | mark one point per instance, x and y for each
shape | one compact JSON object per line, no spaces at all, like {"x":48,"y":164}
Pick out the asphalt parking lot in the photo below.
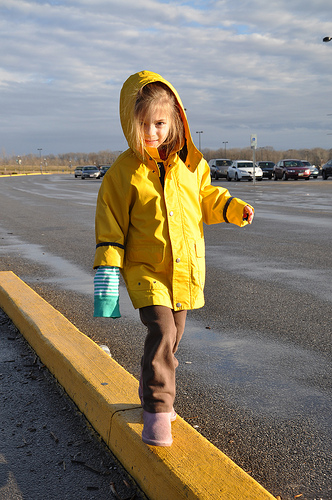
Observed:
{"x":255,"y":362}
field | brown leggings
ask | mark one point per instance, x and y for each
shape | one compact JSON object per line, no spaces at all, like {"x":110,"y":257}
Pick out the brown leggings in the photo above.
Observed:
{"x":165,"y":329}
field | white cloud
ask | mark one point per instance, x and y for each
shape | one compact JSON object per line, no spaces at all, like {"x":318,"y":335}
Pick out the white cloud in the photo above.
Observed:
{"x":239,"y":66}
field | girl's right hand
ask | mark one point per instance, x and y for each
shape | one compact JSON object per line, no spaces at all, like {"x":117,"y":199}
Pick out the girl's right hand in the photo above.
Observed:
{"x":248,"y":214}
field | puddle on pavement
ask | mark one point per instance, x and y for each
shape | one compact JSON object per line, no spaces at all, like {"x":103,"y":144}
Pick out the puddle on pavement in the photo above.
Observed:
{"x":317,"y":281}
{"x":261,"y":375}
{"x":296,"y":220}
{"x":65,"y":274}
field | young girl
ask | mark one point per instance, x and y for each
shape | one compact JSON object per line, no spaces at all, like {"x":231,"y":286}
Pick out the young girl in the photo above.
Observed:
{"x":149,"y":224}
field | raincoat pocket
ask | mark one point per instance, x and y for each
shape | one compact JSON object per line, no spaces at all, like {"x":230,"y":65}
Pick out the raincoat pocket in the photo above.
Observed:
{"x":145,"y":268}
{"x":200,"y":248}
{"x":198,"y":269}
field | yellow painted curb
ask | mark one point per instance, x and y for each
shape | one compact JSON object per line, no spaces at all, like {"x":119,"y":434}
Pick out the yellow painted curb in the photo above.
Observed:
{"x":25,"y":173}
{"x":192,"y":468}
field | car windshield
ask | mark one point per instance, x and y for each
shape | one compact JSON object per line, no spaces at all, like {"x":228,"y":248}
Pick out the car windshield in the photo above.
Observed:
{"x":225,"y":163}
{"x":293,"y":163}
{"x":90,"y":168}
{"x":245,"y":165}
{"x":266,"y":164}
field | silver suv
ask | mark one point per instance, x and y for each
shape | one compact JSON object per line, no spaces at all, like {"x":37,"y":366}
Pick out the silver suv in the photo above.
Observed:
{"x":219,"y":167}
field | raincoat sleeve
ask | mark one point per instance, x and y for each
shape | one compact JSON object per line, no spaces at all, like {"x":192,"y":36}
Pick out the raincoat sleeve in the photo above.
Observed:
{"x":111,"y":222}
{"x":217,"y":203}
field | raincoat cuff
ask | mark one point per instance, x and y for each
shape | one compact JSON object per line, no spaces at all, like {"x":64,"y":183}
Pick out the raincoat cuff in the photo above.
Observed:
{"x":109,"y":256}
{"x":234,"y":212}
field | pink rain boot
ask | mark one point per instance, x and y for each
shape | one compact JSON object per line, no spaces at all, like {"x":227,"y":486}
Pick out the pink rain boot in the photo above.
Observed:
{"x":157,"y":429}
{"x":140,"y":394}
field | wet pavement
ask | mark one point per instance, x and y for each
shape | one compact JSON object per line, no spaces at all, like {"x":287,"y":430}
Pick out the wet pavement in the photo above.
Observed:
{"x":47,"y":448}
{"x":255,"y":362}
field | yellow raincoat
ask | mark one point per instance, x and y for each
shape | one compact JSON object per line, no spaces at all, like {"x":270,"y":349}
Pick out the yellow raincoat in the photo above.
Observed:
{"x":155,"y":235}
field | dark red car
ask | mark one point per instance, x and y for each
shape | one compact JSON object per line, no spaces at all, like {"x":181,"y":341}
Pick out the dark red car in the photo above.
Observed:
{"x":291,"y":169}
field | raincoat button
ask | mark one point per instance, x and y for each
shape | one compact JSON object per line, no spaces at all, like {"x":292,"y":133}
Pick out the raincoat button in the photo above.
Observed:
{"x":178,"y":260}
{"x":171,"y":213}
{"x":178,"y":304}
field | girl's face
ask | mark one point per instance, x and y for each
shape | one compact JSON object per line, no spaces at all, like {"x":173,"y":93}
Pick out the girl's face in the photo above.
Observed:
{"x":156,"y":127}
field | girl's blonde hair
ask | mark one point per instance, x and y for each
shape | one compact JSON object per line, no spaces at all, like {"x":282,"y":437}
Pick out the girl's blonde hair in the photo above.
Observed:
{"x":153,"y":97}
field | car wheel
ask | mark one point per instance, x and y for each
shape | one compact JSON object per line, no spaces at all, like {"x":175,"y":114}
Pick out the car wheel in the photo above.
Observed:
{"x":324,"y":175}
{"x":284,"y":177}
{"x":307,"y":178}
{"x":275,"y":177}
{"x":236,"y":177}
{"x":216,"y":176}
{"x":228,"y":177}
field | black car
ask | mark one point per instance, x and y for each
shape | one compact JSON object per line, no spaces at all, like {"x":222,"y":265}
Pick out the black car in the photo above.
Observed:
{"x":327,"y":170}
{"x":103,"y":169}
{"x":267,"y":167}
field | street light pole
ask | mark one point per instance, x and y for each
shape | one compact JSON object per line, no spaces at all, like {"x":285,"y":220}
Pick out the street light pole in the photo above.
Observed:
{"x":225,"y":142}
{"x":199,"y":135}
{"x":40,"y":150}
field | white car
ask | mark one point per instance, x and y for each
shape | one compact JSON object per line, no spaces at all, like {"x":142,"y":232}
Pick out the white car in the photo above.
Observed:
{"x":244,"y":170}
{"x":78,"y":172}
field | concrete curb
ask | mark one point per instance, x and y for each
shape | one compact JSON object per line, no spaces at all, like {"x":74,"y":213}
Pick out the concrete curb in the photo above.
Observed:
{"x":192,"y":468}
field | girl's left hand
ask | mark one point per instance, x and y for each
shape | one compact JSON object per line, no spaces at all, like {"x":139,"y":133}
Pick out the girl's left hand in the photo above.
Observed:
{"x":248,"y":214}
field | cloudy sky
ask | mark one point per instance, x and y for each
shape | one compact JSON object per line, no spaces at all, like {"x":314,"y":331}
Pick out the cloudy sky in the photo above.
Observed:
{"x":241,"y":67}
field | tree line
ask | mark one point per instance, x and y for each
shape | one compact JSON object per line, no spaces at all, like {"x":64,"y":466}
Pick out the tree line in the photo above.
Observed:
{"x":66,"y":160}
{"x":316,"y":156}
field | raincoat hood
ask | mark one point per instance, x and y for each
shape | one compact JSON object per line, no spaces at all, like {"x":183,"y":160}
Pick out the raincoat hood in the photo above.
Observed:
{"x":189,"y":153}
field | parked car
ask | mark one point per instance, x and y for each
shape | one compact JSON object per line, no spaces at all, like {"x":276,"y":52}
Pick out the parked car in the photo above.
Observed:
{"x":291,"y":169}
{"x":103,"y":169}
{"x":78,"y":172}
{"x":267,"y":168}
{"x":219,"y":167}
{"x":244,"y":170}
{"x":90,"y":172}
{"x":327,"y":170}
{"x":314,"y":172}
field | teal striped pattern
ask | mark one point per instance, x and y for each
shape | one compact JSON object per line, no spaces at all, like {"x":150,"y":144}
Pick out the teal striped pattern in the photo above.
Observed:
{"x":106,"y":282}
